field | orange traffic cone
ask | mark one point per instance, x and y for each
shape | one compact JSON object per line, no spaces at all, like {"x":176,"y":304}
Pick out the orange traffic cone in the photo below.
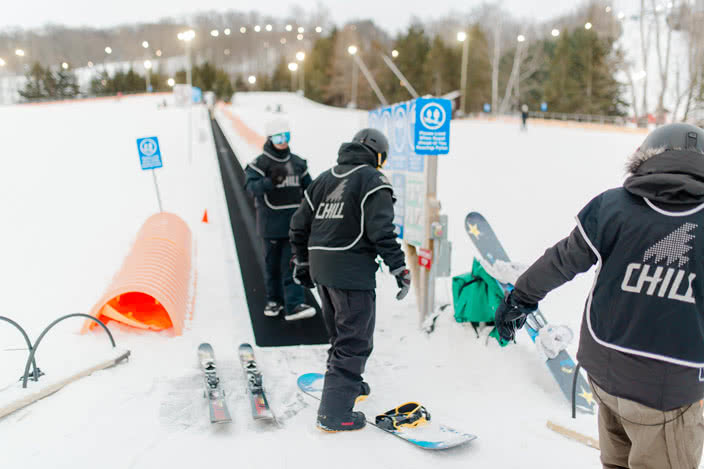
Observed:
{"x":205,"y":216}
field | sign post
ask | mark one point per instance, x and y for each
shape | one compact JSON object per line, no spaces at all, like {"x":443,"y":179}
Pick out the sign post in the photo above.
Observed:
{"x":150,"y":158}
{"x":418,"y":131}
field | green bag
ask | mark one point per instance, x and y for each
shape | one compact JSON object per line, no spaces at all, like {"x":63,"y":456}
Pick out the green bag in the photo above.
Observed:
{"x":475,"y":296}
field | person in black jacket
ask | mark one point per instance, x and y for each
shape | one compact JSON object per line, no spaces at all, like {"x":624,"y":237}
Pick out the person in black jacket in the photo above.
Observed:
{"x":276,"y":179}
{"x":336,"y":234}
{"x":642,"y":335}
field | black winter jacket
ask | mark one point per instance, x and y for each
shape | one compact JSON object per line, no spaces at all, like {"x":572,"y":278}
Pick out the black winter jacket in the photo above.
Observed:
{"x":672,"y":181}
{"x":346,"y":221}
{"x":275,"y":205}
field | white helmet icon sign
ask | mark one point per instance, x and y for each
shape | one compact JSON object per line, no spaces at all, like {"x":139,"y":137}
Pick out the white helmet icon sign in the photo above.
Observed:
{"x":432,"y":116}
{"x":148,"y":147}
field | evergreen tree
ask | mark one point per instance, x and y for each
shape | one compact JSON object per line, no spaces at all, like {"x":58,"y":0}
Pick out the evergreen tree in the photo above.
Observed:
{"x":478,"y":70}
{"x":414,"y":47}
{"x":318,"y":67}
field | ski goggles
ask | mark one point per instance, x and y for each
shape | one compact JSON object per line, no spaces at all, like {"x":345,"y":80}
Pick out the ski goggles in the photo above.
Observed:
{"x":279,"y":139}
{"x":409,"y":415}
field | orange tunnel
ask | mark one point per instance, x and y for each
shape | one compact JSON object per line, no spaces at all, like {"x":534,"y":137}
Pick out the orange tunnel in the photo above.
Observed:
{"x":151,"y":289}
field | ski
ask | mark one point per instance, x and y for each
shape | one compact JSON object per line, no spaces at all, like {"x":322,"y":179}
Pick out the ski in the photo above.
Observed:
{"x":432,"y":436}
{"x":562,"y":367}
{"x":260,"y":406}
{"x":213,"y":391}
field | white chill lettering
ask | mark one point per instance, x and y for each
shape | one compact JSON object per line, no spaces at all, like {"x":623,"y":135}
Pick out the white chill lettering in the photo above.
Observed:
{"x":328,"y":211}
{"x":642,"y":270}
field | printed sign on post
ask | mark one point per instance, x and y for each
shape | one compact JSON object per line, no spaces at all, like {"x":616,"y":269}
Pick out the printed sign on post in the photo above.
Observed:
{"x":432,"y":126}
{"x":149,"y":153}
{"x":425,"y":258}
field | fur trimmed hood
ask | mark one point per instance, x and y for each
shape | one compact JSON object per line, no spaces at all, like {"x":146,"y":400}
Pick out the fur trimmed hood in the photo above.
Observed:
{"x":640,"y":157}
{"x":667,"y":176}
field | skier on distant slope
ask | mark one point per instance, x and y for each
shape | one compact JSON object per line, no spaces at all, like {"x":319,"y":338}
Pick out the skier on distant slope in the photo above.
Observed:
{"x":277,"y":179}
{"x":642,"y":337}
{"x":345,"y":221}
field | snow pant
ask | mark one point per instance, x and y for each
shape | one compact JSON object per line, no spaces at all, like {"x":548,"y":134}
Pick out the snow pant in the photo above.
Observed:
{"x":349,"y":317}
{"x":634,"y":436}
{"x":278,"y":272}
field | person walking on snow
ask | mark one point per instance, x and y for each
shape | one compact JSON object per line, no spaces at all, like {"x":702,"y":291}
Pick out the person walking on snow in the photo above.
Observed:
{"x":345,"y":221}
{"x":642,"y":335}
{"x":276,"y":179}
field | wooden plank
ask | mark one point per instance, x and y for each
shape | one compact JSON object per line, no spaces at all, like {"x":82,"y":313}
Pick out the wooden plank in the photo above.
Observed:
{"x":573,"y":435}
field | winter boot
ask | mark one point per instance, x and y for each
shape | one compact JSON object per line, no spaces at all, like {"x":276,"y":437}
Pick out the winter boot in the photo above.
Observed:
{"x":363,"y":393}
{"x":350,"y":422}
{"x":301,"y":311}
{"x":272,"y":308}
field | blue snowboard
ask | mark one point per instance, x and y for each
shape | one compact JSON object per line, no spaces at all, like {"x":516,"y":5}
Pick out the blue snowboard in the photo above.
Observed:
{"x":562,"y":367}
{"x":430,"y":436}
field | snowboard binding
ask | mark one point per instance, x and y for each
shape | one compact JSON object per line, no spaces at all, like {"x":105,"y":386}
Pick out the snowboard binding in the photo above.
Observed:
{"x":408,"y":415}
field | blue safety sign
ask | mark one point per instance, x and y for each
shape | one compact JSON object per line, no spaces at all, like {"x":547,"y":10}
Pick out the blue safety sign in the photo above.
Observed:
{"x":149,"y":152}
{"x":432,"y":126}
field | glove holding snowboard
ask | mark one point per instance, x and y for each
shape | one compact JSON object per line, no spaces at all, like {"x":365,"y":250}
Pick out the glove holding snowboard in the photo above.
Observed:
{"x":511,"y":315}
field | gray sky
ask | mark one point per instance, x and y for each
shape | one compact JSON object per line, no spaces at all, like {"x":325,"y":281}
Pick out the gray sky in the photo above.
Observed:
{"x":390,"y":14}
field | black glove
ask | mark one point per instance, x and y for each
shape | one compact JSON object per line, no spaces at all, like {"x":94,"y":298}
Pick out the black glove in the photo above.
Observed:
{"x":403,"y":280}
{"x":278,"y":174}
{"x":511,"y":315}
{"x":301,"y":274}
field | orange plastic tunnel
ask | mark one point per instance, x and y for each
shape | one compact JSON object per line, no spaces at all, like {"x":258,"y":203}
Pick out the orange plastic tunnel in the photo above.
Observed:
{"x":151,"y":289}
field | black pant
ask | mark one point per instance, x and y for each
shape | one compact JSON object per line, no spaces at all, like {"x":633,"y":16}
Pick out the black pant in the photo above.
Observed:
{"x":349,"y":317}
{"x":280,"y":286}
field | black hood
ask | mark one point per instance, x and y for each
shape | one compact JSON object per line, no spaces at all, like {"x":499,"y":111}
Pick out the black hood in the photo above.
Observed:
{"x":355,"y":154}
{"x":670,"y":177}
{"x":273,"y":151}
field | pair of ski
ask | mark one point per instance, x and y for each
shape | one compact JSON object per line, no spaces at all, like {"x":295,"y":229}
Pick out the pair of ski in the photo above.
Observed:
{"x":215,"y":394}
{"x":562,"y":367}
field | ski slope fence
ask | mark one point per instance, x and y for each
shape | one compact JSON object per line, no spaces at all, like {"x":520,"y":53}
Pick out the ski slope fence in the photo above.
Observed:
{"x":151,"y":289}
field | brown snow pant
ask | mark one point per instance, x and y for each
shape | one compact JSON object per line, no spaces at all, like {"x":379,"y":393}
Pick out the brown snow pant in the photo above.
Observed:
{"x":634,"y":436}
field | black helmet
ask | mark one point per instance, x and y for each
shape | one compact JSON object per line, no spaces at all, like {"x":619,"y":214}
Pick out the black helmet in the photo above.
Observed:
{"x":375,"y":141}
{"x":674,"y":137}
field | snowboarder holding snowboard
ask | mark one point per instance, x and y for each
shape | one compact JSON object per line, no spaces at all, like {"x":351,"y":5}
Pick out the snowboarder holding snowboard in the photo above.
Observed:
{"x":276,"y":179}
{"x":345,"y":221}
{"x":642,"y":335}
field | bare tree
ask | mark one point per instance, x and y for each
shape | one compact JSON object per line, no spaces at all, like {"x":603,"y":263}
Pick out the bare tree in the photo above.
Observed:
{"x":660,"y":21}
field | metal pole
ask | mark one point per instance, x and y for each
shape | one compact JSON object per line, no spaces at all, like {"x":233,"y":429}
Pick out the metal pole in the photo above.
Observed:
{"x":355,"y":74}
{"x":303,"y":78}
{"x":293,"y":81}
{"x":149,"y":85}
{"x":189,"y":80}
{"x":156,"y":186}
{"x":463,"y":74}
{"x":406,"y":84}
{"x":370,"y":79}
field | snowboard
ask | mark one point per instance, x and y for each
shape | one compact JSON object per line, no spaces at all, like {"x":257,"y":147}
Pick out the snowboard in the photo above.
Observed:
{"x":260,"y":406}
{"x":432,"y":436}
{"x":213,"y":391}
{"x":562,"y":367}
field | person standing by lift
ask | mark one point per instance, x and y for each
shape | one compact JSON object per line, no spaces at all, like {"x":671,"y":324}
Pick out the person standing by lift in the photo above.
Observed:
{"x":276,"y":179}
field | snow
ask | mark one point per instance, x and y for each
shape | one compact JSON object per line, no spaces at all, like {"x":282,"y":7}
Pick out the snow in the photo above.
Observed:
{"x":73,"y":198}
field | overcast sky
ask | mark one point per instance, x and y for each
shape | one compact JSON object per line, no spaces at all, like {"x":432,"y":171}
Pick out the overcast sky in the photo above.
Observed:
{"x":390,"y":14}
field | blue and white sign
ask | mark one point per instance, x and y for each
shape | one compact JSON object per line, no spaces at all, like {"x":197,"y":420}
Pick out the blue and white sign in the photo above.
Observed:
{"x":544,"y":106}
{"x":432,"y":129}
{"x":149,"y":152}
{"x":196,"y":95}
{"x":487,"y":108}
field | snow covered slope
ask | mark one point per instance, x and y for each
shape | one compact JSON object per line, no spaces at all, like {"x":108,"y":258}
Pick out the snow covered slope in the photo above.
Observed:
{"x":73,"y":197}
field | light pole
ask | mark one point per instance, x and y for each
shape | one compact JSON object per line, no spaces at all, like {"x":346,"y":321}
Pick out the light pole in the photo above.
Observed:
{"x":352,"y":50}
{"x":462,"y":37}
{"x":187,"y":37}
{"x":148,"y":69}
{"x":521,"y":39}
{"x":293,"y":66}
{"x":301,"y":56}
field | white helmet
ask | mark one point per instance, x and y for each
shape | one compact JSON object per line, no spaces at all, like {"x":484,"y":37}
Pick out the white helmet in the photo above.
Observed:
{"x":277,"y":126}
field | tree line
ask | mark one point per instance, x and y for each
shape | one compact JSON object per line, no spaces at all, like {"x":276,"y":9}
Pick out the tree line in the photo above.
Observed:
{"x":573,"y":64}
